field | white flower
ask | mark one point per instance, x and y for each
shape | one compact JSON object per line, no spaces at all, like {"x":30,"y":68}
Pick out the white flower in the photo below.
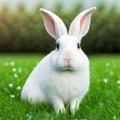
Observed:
{"x":118,"y":81}
{"x":27,"y":115}
{"x":101,"y":104}
{"x":114,"y":117}
{"x":105,"y":80}
{"x":18,"y":87}
{"x":12,"y":96}
{"x":30,"y":117}
{"x":19,"y":70}
{"x":111,"y":73}
{"x":15,"y":75}
{"x":10,"y":85}
{"x":14,"y":69}
{"x":107,"y":64}
{"x":12,"y":63}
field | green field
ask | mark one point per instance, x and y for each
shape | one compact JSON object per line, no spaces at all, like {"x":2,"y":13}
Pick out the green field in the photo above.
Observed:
{"x":102,"y":102}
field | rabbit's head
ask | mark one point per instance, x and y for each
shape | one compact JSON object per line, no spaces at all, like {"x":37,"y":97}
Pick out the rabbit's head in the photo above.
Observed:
{"x":68,"y":54}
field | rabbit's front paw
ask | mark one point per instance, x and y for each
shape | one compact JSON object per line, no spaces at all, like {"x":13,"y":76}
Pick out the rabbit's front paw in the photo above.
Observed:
{"x":74,"y":105}
{"x":59,"y":106}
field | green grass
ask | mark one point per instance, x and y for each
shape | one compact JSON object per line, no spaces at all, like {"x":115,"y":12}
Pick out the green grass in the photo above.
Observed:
{"x":102,"y":102}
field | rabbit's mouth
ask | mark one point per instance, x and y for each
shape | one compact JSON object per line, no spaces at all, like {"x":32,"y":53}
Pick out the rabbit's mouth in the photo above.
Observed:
{"x":68,"y":68}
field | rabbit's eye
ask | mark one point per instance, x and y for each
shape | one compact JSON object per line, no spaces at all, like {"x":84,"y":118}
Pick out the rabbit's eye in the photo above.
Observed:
{"x":78,"y":45}
{"x":57,"y":46}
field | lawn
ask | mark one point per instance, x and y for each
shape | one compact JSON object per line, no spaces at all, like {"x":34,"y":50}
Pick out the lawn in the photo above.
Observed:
{"x":102,"y":102}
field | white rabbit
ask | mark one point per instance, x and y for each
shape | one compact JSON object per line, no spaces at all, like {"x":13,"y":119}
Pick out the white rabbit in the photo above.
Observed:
{"x":62,"y":77}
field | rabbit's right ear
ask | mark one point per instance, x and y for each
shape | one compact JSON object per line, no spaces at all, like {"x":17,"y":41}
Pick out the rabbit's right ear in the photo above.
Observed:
{"x":53,"y":24}
{"x":80,"y":25}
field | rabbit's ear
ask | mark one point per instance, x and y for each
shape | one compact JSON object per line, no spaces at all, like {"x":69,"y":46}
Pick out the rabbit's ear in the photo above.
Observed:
{"x":53,"y":24}
{"x":80,"y":25}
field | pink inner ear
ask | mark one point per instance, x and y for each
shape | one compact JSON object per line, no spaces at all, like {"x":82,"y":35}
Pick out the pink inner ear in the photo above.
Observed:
{"x":83,"y":19}
{"x":50,"y":25}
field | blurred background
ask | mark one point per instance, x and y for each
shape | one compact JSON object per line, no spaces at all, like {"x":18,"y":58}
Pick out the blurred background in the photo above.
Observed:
{"x":22,"y":29}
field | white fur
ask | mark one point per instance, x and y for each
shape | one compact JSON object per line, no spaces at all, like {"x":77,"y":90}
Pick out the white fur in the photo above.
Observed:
{"x":62,"y":77}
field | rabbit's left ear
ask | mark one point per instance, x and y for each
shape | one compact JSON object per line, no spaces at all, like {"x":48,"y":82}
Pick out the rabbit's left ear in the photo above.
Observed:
{"x":80,"y":25}
{"x":53,"y":24}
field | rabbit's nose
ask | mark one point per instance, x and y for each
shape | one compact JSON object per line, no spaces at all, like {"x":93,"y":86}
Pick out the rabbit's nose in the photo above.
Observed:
{"x":68,"y":60}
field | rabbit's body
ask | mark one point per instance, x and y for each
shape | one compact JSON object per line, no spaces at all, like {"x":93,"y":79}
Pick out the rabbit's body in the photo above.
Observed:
{"x":62,"y":77}
{"x":65,"y":85}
